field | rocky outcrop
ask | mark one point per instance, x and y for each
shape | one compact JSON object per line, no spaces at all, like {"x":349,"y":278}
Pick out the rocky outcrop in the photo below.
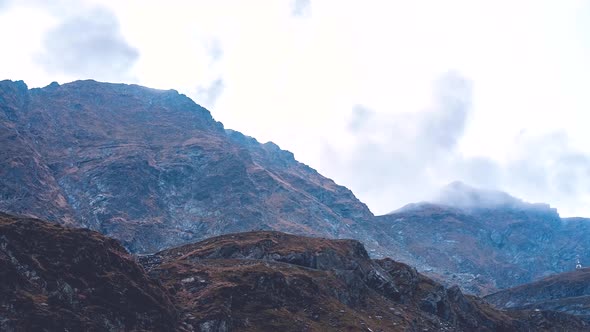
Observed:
{"x":264,"y":281}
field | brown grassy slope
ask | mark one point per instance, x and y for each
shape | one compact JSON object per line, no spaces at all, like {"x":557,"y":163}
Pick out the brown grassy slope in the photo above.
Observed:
{"x":271,"y":281}
{"x":55,"y":278}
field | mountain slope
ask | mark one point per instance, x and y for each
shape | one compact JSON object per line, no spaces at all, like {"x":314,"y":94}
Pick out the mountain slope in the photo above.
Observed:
{"x":27,"y":184}
{"x":484,"y":240}
{"x":153,"y":169}
{"x":263,"y":281}
{"x":58,"y":279}
{"x":567,"y":292}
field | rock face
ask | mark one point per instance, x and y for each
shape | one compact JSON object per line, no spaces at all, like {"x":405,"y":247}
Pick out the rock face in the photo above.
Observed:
{"x":566,"y":292}
{"x":59,"y":279}
{"x":483,"y":240}
{"x":27,"y":185}
{"x":153,"y":169}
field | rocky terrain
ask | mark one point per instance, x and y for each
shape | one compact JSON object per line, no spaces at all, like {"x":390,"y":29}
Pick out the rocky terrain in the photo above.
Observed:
{"x":154,"y":170}
{"x":127,"y":161}
{"x":57,"y":278}
{"x":483,"y":240}
{"x":61,"y":279}
{"x":566,"y":292}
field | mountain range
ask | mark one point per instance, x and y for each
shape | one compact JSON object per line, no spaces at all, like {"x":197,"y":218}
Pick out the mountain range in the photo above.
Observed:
{"x":67,"y":279}
{"x":485,"y":240}
{"x":153,"y":170}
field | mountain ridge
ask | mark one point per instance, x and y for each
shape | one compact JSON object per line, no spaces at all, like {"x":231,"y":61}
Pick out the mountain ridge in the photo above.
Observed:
{"x":565,"y":292}
{"x":154,"y":170}
{"x":78,"y":279}
{"x":485,"y":248}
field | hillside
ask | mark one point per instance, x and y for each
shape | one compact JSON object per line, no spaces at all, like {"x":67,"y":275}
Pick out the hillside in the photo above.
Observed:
{"x":566,"y":292}
{"x":484,"y":240}
{"x":56,"y":278}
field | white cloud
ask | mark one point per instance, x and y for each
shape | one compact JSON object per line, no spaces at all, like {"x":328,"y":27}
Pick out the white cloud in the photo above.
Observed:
{"x":292,"y":71}
{"x":208,"y":96}
{"x":301,"y":8}
{"x":88,"y":45}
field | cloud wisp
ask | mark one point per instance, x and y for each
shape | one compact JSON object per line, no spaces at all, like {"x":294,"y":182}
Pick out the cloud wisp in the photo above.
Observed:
{"x":207,"y":96}
{"x":90,"y":45}
{"x":301,"y":8}
{"x":396,"y":159}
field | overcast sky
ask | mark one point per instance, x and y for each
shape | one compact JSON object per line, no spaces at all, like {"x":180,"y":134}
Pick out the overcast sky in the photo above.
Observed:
{"x":392,"y":99}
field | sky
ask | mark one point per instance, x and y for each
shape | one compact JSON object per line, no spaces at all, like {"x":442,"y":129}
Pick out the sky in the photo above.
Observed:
{"x":393,"y":99}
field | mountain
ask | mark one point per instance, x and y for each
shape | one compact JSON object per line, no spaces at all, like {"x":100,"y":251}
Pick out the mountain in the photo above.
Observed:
{"x":484,"y":240}
{"x":153,"y":169}
{"x":566,"y":292}
{"x":56,"y":278}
